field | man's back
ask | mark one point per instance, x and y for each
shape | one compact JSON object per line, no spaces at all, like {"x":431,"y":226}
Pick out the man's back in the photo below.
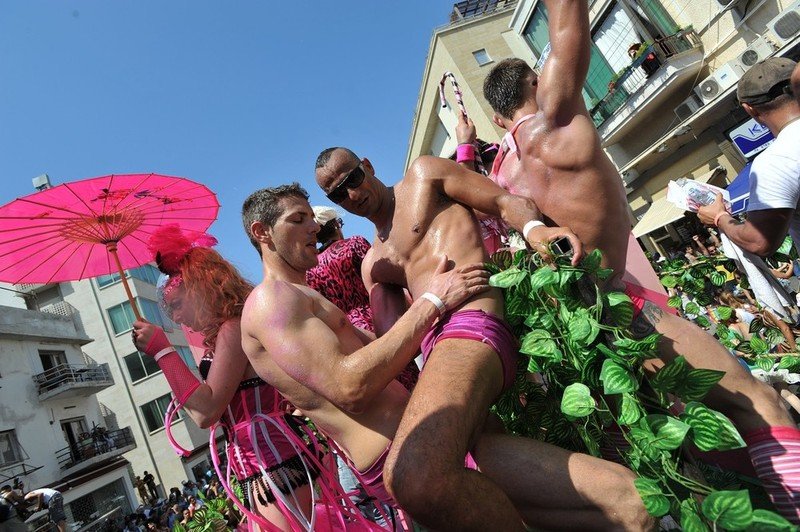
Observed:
{"x":425,"y":226}
{"x":572,"y":181}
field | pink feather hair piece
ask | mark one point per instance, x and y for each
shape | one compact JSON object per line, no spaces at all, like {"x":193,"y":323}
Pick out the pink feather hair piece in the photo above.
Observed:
{"x":170,"y":244}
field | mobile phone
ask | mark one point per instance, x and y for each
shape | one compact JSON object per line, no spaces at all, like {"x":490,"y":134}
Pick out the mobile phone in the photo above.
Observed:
{"x":561,"y":246}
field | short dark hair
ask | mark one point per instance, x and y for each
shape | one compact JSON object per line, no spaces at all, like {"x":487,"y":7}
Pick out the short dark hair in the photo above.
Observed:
{"x":775,"y":103}
{"x":503,"y":87}
{"x":264,"y":206}
{"x":325,"y":156}
{"x":5,"y":488}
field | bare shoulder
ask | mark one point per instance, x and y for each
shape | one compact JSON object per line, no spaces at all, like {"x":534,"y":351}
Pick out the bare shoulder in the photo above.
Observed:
{"x":272,"y":300}
{"x":427,"y":166}
{"x":230,"y":332}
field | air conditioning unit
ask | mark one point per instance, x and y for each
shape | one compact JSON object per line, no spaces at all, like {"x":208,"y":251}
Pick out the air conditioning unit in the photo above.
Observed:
{"x":756,"y":51}
{"x":725,"y":76}
{"x":688,"y":107}
{"x":785,"y":26}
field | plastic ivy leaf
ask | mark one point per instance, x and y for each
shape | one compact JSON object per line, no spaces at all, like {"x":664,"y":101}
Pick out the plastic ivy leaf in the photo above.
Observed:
{"x":690,"y":518}
{"x":621,"y":308}
{"x":705,"y":426}
{"x":510,"y":277}
{"x":728,"y":435}
{"x":724,"y":313}
{"x":697,"y":383}
{"x":731,"y":510}
{"x":539,"y":343}
{"x":591,"y":262}
{"x":542,"y":277}
{"x":669,"y":281}
{"x":616,"y":379}
{"x":670,"y":377}
{"x":669,"y":431}
{"x":764,"y":362}
{"x":583,"y":329}
{"x":759,"y":346}
{"x":675,"y":302}
{"x":603,"y":273}
{"x":577,"y":400}
{"x":703,"y":322}
{"x":764,"y":521}
{"x":692,"y":308}
{"x":789,"y":362}
{"x":654,"y":500}
{"x":591,"y":443}
{"x":629,"y":411}
{"x":717,"y":279}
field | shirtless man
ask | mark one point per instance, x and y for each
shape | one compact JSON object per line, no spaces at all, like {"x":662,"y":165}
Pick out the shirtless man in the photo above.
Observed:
{"x":551,"y":153}
{"x":330,"y":371}
{"x":470,"y":354}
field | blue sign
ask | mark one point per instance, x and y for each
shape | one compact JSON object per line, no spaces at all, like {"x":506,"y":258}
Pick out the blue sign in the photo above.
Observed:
{"x":751,"y":138}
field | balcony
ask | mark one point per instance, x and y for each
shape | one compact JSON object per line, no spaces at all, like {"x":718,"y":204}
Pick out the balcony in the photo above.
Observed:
{"x":72,"y":380}
{"x":650,"y":79}
{"x":469,"y":9}
{"x":32,"y":288}
{"x":60,"y":308}
{"x":95,"y":450}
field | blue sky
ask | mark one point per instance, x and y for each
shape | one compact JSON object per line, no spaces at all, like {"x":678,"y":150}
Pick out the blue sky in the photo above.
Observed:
{"x":236,"y":95}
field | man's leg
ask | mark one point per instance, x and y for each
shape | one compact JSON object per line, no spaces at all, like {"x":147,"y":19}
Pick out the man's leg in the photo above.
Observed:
{"x":754,"y":407}
{"x":555,"y":489}
{"x":424,"y":469}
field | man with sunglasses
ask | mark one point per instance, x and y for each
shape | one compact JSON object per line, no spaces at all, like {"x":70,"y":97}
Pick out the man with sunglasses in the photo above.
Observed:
{"x":470,"y":357}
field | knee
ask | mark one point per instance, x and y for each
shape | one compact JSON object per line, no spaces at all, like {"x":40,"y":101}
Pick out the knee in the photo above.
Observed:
{"x":413,"y":486}
{"x":628,"y":510}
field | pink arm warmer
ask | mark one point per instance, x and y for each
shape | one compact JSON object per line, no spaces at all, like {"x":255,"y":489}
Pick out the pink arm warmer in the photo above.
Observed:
{"x":182,"y":381}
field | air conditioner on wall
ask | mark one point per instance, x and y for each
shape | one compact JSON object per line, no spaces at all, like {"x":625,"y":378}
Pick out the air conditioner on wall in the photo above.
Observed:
{"x":688,"y":107}
{"x":785,"y":26}
{"x":756,"y":51}
{"x":719,"y":80}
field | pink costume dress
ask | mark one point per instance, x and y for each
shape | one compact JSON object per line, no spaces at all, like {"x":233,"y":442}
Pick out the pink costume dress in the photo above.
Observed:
{"x":255,"y":445}
{"x":338,"y":278}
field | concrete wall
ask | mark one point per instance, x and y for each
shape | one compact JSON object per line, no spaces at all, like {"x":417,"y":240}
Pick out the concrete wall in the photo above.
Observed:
{"x":153,"y":452}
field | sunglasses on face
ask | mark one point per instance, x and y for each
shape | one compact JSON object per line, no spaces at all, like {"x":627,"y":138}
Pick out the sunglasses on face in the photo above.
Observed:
{"x":351,"y":181}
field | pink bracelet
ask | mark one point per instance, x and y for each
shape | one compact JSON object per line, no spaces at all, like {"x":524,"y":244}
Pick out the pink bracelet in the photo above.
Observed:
{"x":718,"y":216}
{"x":465,"y":153}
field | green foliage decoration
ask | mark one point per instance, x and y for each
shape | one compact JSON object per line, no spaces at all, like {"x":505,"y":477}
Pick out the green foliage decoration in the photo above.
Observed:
{"x":589,"y":381}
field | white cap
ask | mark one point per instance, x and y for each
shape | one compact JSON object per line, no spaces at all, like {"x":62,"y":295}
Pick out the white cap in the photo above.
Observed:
{"x":323,"y":215}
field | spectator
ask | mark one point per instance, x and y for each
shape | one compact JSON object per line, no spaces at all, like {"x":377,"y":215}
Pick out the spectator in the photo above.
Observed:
{"x":53,"y":501}
{"x":141,"y":487}
{"x":150,"y":481}
{"x":187,"y":516}
{"x":765,"y":95}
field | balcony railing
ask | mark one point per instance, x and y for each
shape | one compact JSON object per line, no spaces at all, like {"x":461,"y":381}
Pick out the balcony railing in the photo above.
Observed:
{"x":60,"y":308}
{"x":635,"y":75}
{"x":469,"y":9}
{"x":30,"y":288}
{"x":75,"y":379}
{"x":96,"y":449}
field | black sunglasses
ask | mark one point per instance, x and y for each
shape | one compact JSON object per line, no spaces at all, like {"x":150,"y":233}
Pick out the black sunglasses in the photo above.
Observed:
{"x":351,"y":181}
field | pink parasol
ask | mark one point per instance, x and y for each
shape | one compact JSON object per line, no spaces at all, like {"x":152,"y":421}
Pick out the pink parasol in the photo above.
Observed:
{"x":96,"y":226}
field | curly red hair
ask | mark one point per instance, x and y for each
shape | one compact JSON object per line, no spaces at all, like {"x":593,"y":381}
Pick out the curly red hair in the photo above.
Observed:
{"x":218,"y":288}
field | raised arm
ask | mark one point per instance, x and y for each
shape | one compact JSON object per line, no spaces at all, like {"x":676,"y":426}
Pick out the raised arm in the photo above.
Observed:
{"x":310,"y":352}
{"x":206,"y":404}
{"x":482,"y":194}
{"x":564,"y":73}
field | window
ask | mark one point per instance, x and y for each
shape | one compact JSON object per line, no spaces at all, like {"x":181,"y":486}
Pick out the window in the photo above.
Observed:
{"x":10,"y":452}
{"x":147,"y":273}
{"x":186,"y":355}
{"x":482,"y":57}
{"x":52,"y":359}
{"x":440,"y":137}
{"x":600,"y":72}
{"x":140,"y":366}
{"x":122,"y":317}
{"x":154,"y":411}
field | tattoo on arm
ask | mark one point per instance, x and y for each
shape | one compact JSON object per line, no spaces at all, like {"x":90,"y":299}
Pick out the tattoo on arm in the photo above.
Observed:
{"x":652,"y":312}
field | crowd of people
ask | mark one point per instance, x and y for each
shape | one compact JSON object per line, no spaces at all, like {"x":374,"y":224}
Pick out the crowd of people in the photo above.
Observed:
{"x":328,"y":332}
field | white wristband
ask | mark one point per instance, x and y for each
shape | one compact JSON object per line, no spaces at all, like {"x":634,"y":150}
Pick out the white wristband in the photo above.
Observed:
{"x":530,"y":225}
{"x":433,"y":298}
{"x":167,"y":350}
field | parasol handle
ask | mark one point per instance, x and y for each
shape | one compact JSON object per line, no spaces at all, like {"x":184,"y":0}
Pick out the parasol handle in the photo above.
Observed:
{"x":112,"y":249}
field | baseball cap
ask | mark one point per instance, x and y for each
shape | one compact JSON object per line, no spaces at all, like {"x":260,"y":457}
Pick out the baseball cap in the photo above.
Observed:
{"x":765,"y":81}
{"x":323,"y":215}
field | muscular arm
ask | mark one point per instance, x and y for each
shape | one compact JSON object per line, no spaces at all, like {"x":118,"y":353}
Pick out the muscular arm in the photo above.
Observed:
{"x":482,"y":194}
{"x":559,"y":91}
{"x":310,"y":352}
{"x":762,"y":233}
